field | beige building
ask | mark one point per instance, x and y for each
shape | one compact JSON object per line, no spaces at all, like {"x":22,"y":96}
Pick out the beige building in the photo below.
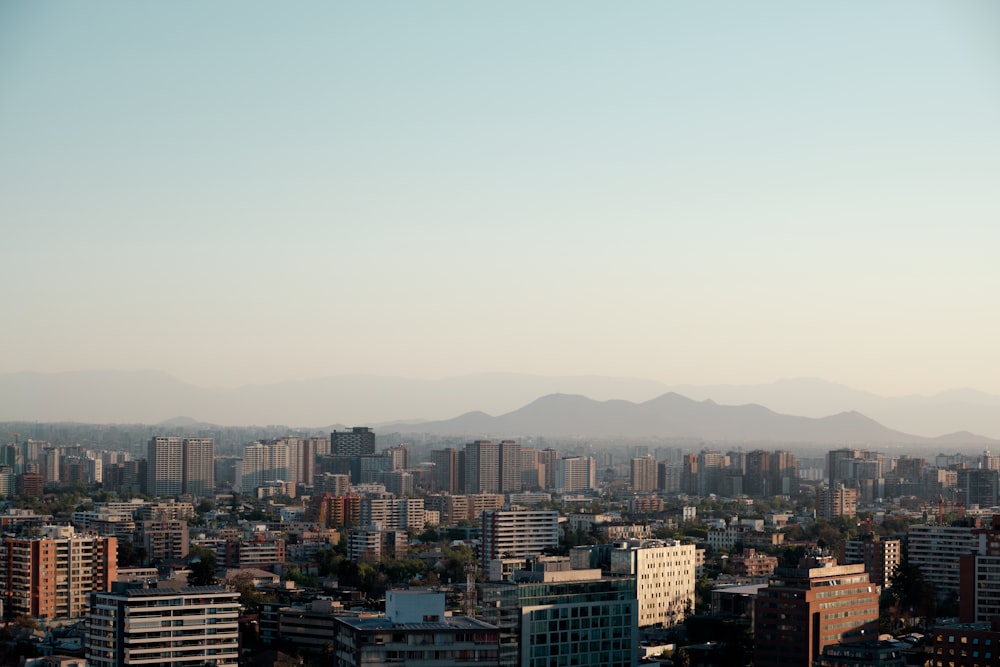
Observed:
{"x":665,"y":578}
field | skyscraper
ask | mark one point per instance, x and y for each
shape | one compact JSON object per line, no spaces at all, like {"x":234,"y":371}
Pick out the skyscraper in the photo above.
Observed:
{"x":166,"y":466}
{"x":180,"y":465}
{"x":482,"y":467}
{"x":263,"y":462}
{"x":199,"y":466}
{"x":643,"y":474}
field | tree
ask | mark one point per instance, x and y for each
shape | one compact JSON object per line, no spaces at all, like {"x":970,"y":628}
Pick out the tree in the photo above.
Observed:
{"x":203,"y":570}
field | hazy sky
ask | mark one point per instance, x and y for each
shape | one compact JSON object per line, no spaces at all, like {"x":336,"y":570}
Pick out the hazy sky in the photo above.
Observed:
{"x":699,"y":192}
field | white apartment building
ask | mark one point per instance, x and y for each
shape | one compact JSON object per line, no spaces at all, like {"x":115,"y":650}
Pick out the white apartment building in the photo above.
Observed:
{"x":936,"y":551}
{"x":665,"y":573}
{"x":136,"y":625}
{"x":518,"y":533}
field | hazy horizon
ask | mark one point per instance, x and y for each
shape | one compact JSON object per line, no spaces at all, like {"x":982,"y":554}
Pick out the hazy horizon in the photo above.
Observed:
{"x":691,"y":193}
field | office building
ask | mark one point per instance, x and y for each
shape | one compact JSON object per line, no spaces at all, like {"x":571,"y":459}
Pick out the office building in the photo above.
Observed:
{"x":415,"y":630}
{"x":807,"y":608}
{"x":166,"y":627}
{"x":549,"y":614}
{"x":665,"y":578}
{"x":359,"y":441}
{"x":965,"y":644}
{"x":52,"y":575}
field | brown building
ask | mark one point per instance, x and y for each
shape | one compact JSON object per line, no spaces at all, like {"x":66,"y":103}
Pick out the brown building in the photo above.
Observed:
{"x":52,"y":576}
{"x":967,"y":645}
{"x":750,"y":563}
{"x":835,"y":501}
{"x":809,"y":607}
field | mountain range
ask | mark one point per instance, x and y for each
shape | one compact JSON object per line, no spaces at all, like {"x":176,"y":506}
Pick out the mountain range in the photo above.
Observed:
{"x":784,"y":411}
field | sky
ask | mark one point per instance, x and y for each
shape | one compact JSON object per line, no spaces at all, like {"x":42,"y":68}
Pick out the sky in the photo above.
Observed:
{"x":692,"y":192}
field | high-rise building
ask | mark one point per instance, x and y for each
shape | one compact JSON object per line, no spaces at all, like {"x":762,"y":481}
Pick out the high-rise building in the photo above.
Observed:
{"x":180,"y":465}
{"x":642,"y":476}
{"x":549,"y":460}
{"x":550,"y":614}
{"x":301,"y":459}
{"x":359,"y":441}
{"x":263,"y":462}
{"x":518,"y":533}
{"x":937,"y":550}
{"x":52,"y":575}
{"x":166,"y":466}
{"x":167,"y":627}
{"x":400,"y":457}
{"x":809,"y":607}
{"x":448,"y":471}
{"x":665,"y":573}
{"x":835,"y":502}
{"x":880,"y":557}
{"x":979,"y":578}
{"x":577,"y":473}
{"x":199,"y":466}
{"x":482,"y":467}
{"x":510,"y":466}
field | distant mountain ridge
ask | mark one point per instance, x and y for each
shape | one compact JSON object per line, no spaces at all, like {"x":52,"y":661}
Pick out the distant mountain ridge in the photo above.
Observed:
{"x":152,"y":397}
{"x":672,"y":416}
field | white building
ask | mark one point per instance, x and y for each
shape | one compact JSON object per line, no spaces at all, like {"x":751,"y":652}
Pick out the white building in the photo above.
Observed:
{"x":136,"y":625}
{"x":936,"y":551}
{"x":665,"y":578}
{"x":518,"y":533}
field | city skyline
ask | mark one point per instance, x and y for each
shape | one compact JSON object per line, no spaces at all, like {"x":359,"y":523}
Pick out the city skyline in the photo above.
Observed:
{"x":696,"y":194}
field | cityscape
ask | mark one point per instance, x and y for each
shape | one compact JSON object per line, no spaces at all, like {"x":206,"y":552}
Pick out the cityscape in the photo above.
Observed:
{"x":482,"y":334}
{"x":355,"y":547}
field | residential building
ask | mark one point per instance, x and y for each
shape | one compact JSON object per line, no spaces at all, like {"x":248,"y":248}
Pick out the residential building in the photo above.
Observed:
{"x":642,"y":477}
{"x":837,"y":501}
{"x":52,"y":575}
{"x":806,"y":608}
{"x":936,"y":551}
{"x":753,"y":564}
{"x":164,"y":540}
{"x":180,"y":465}
{"x":138,"y":625}
{"x":518,"y":533}
{"x":415,"y":630}
{"x":165,"y":466}
{"x":372,"y":543}
{"x":576,"y":473}
{"x":492,"y":467}
{"x":665,"y":578}
{"x":393,"y":513}
{"x":198,"y":477}
{"x":880,"y":557}
{"x":263,"y":462}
